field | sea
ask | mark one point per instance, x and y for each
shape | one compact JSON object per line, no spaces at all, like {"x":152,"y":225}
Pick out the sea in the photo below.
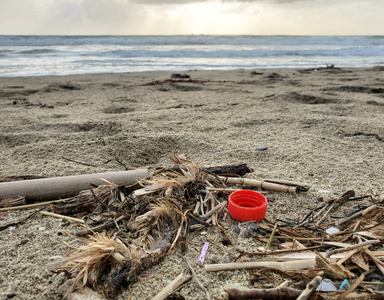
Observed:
{"x":65,"y":55}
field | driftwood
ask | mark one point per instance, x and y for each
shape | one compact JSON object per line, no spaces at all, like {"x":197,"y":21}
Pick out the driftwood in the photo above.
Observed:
{"x":284,"y":266}
{"x":260,"y":184}
{"x":333,"y":270}
{"x":58,"y":187}
{"x":309,"y":289}
{"x":274,"y":293}
{"x":172,"y":286}
{"x":233,"y":170}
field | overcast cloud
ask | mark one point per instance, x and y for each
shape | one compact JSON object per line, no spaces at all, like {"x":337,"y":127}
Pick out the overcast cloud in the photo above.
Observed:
{"x":325,"y":17}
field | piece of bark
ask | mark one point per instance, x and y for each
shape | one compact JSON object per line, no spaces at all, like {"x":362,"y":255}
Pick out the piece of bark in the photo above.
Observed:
{"x":172,"y":286}
{"x":274,"y":293}
{"x":233,"y":170}
{"x":332,"y":270}
{"x":59,"y":187}
{"x":310,"y":288}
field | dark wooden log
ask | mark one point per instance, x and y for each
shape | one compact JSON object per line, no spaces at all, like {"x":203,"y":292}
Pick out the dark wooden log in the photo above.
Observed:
{"x":230,"y":170}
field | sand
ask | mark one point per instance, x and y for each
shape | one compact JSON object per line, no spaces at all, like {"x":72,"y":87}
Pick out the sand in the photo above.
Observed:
{"x":324,"y":127}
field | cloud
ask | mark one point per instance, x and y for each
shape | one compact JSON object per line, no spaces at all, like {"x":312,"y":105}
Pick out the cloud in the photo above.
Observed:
{"x":163,"y":2}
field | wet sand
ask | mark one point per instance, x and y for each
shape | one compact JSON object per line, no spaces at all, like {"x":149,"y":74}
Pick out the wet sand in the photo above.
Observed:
{"x":324,"y":127}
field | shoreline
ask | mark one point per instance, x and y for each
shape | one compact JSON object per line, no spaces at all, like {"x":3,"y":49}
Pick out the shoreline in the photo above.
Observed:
{"x":321,"y":66}
{"x":324,"y":128}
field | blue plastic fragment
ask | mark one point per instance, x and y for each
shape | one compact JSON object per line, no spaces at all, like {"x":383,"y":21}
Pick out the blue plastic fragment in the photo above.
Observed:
{"x":262,"y":148}
{"x":344,"y":285}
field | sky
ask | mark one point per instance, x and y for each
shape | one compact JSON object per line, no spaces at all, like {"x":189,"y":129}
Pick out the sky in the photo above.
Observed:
{"x":170,"y":17}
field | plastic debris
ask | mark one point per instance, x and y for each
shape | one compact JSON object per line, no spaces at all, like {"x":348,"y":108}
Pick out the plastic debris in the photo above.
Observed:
{"x":332,"y":230}
{"x":326,"y":285}
{"x":261,"y":148}
{"x":344,"y":285}
{"x":203,"y":253}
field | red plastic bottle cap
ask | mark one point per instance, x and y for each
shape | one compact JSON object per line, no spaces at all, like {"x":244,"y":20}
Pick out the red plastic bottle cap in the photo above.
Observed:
{"x":246,"y":205}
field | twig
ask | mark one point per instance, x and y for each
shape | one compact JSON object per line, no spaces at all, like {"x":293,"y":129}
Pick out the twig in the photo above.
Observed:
{"x":215,"y":209}
{"x":352,"y":287}
{"x":33,"y":205}
{"x":74,"y":220}
{"x":78,"y":162}
{"x":197,"y":279}
{"x":19,"y":222}
{"x":353,"y":247}
{"x":172,"y":286}
{"x":311,"y":286}
{"x":270,"y":238}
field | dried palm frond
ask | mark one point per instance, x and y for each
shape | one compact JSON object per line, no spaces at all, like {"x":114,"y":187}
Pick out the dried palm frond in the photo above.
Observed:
{"x":150,"y":225}
{"x":101,"y":255}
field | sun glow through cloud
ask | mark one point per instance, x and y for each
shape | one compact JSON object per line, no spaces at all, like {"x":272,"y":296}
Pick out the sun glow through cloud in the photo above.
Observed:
{"x":327,"y":17}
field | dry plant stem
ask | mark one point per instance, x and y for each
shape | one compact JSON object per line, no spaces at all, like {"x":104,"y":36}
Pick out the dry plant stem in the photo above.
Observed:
{"x":353,"y":247}
{"x":310,"y":288}
{"x":28,"y":206}
{"x":197,"y":279}
{"x":95,"y":229}
{"x":353,"y":286}
{"x":215,"y":209}
{"x":378,"y":262}
{"x":270,"y":238}
{"x":342,"y":221}
{"x":259,"y":184}
{"x":74,"y":220}
{"x":172,"y":286}
{"x":284,"y":266}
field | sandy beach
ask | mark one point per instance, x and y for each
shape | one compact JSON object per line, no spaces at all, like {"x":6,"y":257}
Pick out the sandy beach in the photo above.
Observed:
{"x":324,"y":127}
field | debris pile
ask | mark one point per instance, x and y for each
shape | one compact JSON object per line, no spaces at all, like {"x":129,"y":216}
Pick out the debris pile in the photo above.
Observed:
{"x":131,"y":227}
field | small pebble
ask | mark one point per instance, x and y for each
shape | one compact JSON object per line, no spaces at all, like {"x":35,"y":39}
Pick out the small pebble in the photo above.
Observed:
{"x":237,"y":229}
{"x":262,"y":148}
{"x":42,"y":228}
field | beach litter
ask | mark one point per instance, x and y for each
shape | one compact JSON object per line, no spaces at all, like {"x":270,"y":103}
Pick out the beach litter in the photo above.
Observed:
{"x":129,"y":227}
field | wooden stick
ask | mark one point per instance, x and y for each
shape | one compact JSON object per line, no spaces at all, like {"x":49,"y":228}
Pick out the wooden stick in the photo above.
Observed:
{"x":74,"y":220}
{"x":260,"y":184}
{"x":353,"y":247}
{"x":215,"y":209}
{"x":285,"y":266}
{"x":378,"y":262}
{"x":197,"y":279}
{"x":303,"y":187}
{"x":352,"y":287}
{"x":311,"y":286}
{"x":27,"y":206}
{"x":59,"y":187}
{"x":173,"y":285}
